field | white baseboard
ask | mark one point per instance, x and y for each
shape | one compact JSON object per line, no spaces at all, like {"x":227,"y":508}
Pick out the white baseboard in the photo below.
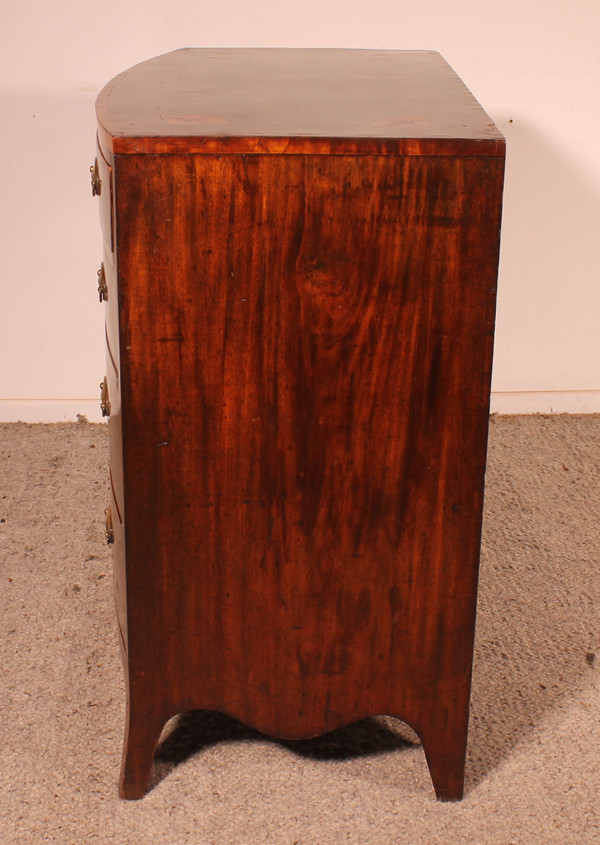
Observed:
{"x":546,"y":402}
{"x":503,"y":402}
{"x":49,"y":410}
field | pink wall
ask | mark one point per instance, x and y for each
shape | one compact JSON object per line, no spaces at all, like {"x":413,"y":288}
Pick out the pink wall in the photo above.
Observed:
{"x":533,"y":64}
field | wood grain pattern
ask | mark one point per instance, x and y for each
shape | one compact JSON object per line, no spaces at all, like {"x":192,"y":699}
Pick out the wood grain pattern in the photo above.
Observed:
{"x":306,"y":347}
{"x":276,"y":145}
{"x":299,"y":101}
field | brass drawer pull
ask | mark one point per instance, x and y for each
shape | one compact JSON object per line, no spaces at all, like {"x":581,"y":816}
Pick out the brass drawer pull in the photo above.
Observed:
{"x":108,"y":526}
{"x":104,"y":400}
{"x":96,"y":180}
{"x":102,"y":285}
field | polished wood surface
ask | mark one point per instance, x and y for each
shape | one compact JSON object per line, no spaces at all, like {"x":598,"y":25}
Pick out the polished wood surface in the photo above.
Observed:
{"x":343,"y":102}
{"x":302,"y":363}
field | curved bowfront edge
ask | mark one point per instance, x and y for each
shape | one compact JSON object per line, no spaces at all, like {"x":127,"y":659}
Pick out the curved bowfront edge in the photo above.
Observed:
{"x":296,"y":102}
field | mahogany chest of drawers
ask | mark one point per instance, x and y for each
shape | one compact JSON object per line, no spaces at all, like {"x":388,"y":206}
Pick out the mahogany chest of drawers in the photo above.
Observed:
{"x":300,"y":260}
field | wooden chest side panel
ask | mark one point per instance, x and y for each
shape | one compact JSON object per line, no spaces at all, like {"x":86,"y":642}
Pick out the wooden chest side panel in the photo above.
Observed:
{"x":313,"y":336}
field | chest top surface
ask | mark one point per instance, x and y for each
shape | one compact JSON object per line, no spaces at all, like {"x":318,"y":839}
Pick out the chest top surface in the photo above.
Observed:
{"x":294,"y":101}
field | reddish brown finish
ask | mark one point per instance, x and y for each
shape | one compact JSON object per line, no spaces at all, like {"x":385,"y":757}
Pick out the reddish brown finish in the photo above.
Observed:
{"x":298,"y":449}
{"x":307,"y":146}
{"x":299,"y":101}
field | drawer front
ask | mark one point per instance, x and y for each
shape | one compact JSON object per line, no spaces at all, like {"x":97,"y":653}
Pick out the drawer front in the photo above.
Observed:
{"x":114,"y":514}
{"x":115,"y":439}
{"x":111,"y":300}
{"x":112,"y":397}
{"x":105,"y":192}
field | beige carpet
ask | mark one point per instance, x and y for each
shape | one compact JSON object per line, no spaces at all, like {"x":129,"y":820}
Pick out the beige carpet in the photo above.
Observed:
{"x":533,"y":768}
